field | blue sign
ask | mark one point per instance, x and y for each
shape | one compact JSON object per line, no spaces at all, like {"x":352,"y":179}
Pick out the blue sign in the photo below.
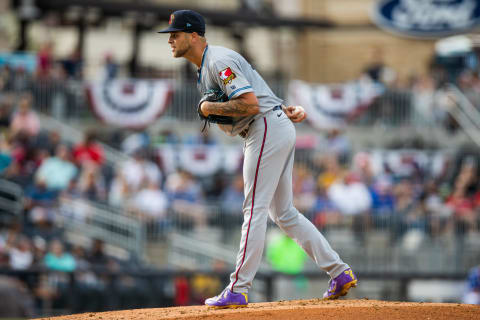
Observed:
{"x":28,"y":61}
{"x":427,"y":18}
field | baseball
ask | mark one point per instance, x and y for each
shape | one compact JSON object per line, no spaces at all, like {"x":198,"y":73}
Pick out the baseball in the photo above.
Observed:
{"x":301,"y":112}
{"x":296,"y":113}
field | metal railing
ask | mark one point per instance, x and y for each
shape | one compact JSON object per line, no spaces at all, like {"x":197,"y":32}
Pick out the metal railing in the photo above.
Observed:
{"x":96,"y":222}
{"x":186,"y":249}
{"x":465,"y":113}
{"x":74,"y":135}
{"x":11,"y":200}
{"x":394,"y":109}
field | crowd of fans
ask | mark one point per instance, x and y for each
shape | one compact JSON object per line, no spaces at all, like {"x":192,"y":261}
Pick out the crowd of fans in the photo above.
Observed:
{"x":392,"y":200}
{"x":423,"y":99}
{"x":333,"y":187}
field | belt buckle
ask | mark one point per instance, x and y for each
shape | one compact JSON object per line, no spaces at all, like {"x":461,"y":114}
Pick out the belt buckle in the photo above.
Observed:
{"x":244,"y":133}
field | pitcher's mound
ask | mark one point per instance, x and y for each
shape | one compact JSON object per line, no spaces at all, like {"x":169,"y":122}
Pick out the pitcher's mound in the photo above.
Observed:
{"x":301,"y":309}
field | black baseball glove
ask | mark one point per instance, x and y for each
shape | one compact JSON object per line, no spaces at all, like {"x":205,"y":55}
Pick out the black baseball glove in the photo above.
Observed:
{"x":213,"y":96}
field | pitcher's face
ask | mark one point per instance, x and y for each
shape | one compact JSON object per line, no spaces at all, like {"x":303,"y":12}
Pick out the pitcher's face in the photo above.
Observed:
{"x":180,"y":42}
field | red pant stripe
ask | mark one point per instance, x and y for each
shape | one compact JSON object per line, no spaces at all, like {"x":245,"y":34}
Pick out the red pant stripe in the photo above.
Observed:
{"x":253,"y":202}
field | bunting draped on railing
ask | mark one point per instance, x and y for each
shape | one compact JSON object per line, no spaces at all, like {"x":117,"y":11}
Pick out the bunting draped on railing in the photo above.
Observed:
{"x":332,"y":106}
{"x":129,"y":103}
{"x":201,"y":160}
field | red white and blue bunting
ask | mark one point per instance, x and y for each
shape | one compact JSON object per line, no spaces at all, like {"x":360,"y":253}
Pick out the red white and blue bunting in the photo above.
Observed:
{"x":201,"y":160}
{"x":332,"y":106}
{"x":129,"y":103}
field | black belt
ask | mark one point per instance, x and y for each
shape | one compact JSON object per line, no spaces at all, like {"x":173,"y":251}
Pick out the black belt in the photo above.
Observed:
{"x":244,"y":133}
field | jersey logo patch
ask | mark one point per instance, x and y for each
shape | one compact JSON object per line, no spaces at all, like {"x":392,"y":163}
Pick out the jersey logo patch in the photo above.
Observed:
{"x":227,"y":75}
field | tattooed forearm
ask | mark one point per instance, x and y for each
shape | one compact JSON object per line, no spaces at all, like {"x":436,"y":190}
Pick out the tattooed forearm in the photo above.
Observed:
{"x":233,"y":108}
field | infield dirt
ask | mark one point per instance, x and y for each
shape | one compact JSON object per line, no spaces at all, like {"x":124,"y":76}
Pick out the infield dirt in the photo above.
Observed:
{"x":301,"y":309}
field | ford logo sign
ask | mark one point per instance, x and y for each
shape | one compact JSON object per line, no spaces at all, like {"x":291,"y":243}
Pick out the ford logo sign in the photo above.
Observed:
{"x":427,"y":18}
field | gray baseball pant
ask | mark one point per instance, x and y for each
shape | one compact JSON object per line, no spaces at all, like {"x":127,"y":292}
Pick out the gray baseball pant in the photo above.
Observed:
{"x":267,"y":172}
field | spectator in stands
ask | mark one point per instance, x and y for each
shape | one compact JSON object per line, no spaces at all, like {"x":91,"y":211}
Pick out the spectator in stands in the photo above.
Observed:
{"x":231,"y":203}
{"x":331,"y":170}
{"x":232,"y":198}
{"x":408,"y":213}
{"x":6,"y":74}
{"x":186,"y":198}
{"x":377,"y":70}
{"x":73,"y":65}
{"x":462,"y":200}
{"x":119,"y":193}
{"x":337,"y":143}
{"x":325,"y":213}
{"x":463,"y":207}
{"x":472,"y":292}
{"x":303,"y":189}
{"x":110,"y":70}
{"x":91,"y":183}
{"x":39,"y":251}
{"x":25,"y":119}
{"x":57,"y":259}
{"x":42,"y":224}
{"x":135,"y":142}
{"x":4,"y":263}
{"x":88,"y":151}
{"x":5,"y":153}
{"x":362,"y":167}
{"x":89,"y":289}
{"x":58,"y":171}
{"x":3,"y":246}
{"x":438,"y":213}
{"x":139,"y":170}
{"x":350,"y":195}
{"x":15,"y":301}
{"x":46,"y":142}
{"x":20,"y":80}
{"x":383,"y":201}
{"x":6,"y":106}
{"x":26,"y":159}
{"x":131,"y":176}
{"x":53,"y":141}
{"x":45,"y":59}
{"x":150,"y":204}
{"x":97,"y":256}
{"x":20,"y":253}
{"x":424,"y":101}
{"x":40,"y":198}
{"x":467,"y":82}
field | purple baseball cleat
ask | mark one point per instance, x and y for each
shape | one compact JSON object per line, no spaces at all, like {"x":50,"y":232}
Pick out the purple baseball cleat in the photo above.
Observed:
{"x":228,"y":299}
{"x":340,"y":285}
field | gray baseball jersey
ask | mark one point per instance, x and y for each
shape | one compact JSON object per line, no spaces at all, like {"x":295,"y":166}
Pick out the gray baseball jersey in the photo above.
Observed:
{"x":224,"y":69}
{"x":267,"y":169}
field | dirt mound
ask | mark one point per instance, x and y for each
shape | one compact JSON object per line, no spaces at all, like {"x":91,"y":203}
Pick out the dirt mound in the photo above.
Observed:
{"x":302,"y":309}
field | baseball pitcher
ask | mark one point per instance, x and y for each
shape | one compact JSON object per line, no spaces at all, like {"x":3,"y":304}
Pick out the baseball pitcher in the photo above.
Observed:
{"x":237,"y":98}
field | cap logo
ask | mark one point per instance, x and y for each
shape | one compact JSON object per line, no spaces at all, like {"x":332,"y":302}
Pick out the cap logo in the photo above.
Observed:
{"x":172,"y":16}
{"x":188,"y":24}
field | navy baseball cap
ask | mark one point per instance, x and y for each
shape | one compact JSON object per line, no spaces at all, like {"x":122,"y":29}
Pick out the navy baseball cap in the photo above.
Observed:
{"x":186,"y":21}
